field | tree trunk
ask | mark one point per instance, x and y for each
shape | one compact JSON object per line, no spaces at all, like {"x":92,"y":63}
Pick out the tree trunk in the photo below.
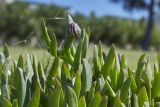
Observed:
{"x":148,"y":32}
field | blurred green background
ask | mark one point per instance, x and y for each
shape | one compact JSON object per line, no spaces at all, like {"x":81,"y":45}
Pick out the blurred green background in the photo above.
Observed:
{"x":20,"y":24}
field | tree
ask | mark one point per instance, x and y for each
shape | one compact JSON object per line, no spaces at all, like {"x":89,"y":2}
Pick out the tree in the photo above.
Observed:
{"x":145,"y":5}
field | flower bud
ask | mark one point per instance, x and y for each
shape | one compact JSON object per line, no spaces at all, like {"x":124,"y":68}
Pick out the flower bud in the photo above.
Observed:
{"x":73,"y":28}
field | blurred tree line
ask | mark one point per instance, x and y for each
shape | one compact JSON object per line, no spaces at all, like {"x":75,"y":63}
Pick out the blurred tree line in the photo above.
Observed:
{"x":147,"y":5}
{"x":22,"y":21}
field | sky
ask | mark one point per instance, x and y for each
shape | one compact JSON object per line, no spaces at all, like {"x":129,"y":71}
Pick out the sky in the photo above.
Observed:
{"x":100,"y":7}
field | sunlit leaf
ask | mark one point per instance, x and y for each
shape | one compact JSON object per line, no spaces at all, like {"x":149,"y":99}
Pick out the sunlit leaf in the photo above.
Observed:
{"x":7,"y":103}
{"x":142,"y":96}
{"x":77,"y":84}
{"x":77,"y":59}
{"x":20,"y":86}
{"x":86,"y":76}
{"x":53,"y":46}
{"x":104,"y":102}
{"x":96,"y":100}
{"x":34,"y":102}
{"x":109,"y":62}
{"x":124,"y":90}
{"x":82,"y":102}
{"x":45,"y":35}
{"x":156,"y":86}
{"x":54,"y":97}
{"x":71,"y":97}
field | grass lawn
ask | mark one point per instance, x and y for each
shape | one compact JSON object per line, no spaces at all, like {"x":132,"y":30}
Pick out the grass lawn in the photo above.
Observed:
{"x":131,"y":56}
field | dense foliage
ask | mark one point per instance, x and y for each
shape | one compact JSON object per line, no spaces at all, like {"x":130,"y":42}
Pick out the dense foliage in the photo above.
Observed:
{"x":23,"y":21}
{"x":74,"y":80}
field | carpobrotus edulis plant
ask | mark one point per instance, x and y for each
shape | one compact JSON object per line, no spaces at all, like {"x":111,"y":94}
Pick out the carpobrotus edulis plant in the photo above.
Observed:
{"x":75,"y":80}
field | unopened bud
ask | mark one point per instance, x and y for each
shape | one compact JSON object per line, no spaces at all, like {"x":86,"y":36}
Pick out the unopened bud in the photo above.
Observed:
{"x":73,"y":28}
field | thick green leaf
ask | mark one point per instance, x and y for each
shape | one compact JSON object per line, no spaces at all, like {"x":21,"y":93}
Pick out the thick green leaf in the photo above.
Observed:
{"x":148,"y":77}
{"x":100,"y":56}
{"x":54,"y":97}
{"x":71,"y":97}
{"x":68,"y":42}
{"x":109,"y":89}
{"x":135,"y":103}
{"x":41,"y":75}
{"x":124,"y":90}
{"x":73,"y":50}
{"x":117,"y":61}
{"x":53,"y":46}
{"x":139,"y":70}
{"x":155,"y":70}
{"x":91,"y":94}
{"x":96,"y":62}
{"x":30,"y":68}
{"x":82,"y":102}
{"x":65,"y":74}
{"x":142,"y":96}
{"x":62,"y":99}
{"x":100,"y":84}
{"x":133,"y":82}
{"x":34,"y":102}
{"x":109,"y":62}
{"x":123,"y":62}
{"x":15,"y":103}
{"x":20,"y":62}
{"x":77,"y":84}
{"x":104,"y":102}
{"x":28,"y":92}
{"x":54,"y":83}
{"x":36,"y":79}
{"x":77,"y":59}
{"x":65,"y":71}
{"x":86,"y":76}
{"x":85,"y":45}
{"x":149,"y":73}
{"x":118,"y":103}
{"x":45,"y":35}
{"x":2,"y":60}
{"x":67,"y":50}
{"x":54,"y":69}
{"x":4,"y":80}
{"x":43,"y":100}
{"x":20,"y":86}
{"x":7,"y":103}
{"x":88,"y":32}
{"x":96,"y":100}
{"x":141,"y":59}
{"x":129,"y":98}
{"x":68,"y":56}
{"x":34,"y":64}
{"x":152,"y":104}
{"x":120,"y":79}
{"x":104,"y":56}
{"x":156,"y":86}
{"x":114,"y":76}
{"x":6,"y":51}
